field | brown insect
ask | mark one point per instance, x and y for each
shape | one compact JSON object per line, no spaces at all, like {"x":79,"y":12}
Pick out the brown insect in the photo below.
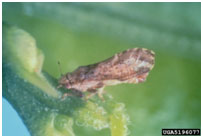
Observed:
{"x":130,"y":66}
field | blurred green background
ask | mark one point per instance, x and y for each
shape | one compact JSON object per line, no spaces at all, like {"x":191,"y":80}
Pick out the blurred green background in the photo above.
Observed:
{"x":84,"y":33}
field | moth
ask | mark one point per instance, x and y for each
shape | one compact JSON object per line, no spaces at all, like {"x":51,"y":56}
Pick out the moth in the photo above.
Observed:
{"x":130,"y":66}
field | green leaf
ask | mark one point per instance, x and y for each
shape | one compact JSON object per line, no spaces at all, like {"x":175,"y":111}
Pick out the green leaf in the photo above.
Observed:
{"x":34,"y":95}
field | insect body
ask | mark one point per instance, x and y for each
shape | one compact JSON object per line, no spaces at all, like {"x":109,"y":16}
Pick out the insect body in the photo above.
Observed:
{"x":130,"y":66}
